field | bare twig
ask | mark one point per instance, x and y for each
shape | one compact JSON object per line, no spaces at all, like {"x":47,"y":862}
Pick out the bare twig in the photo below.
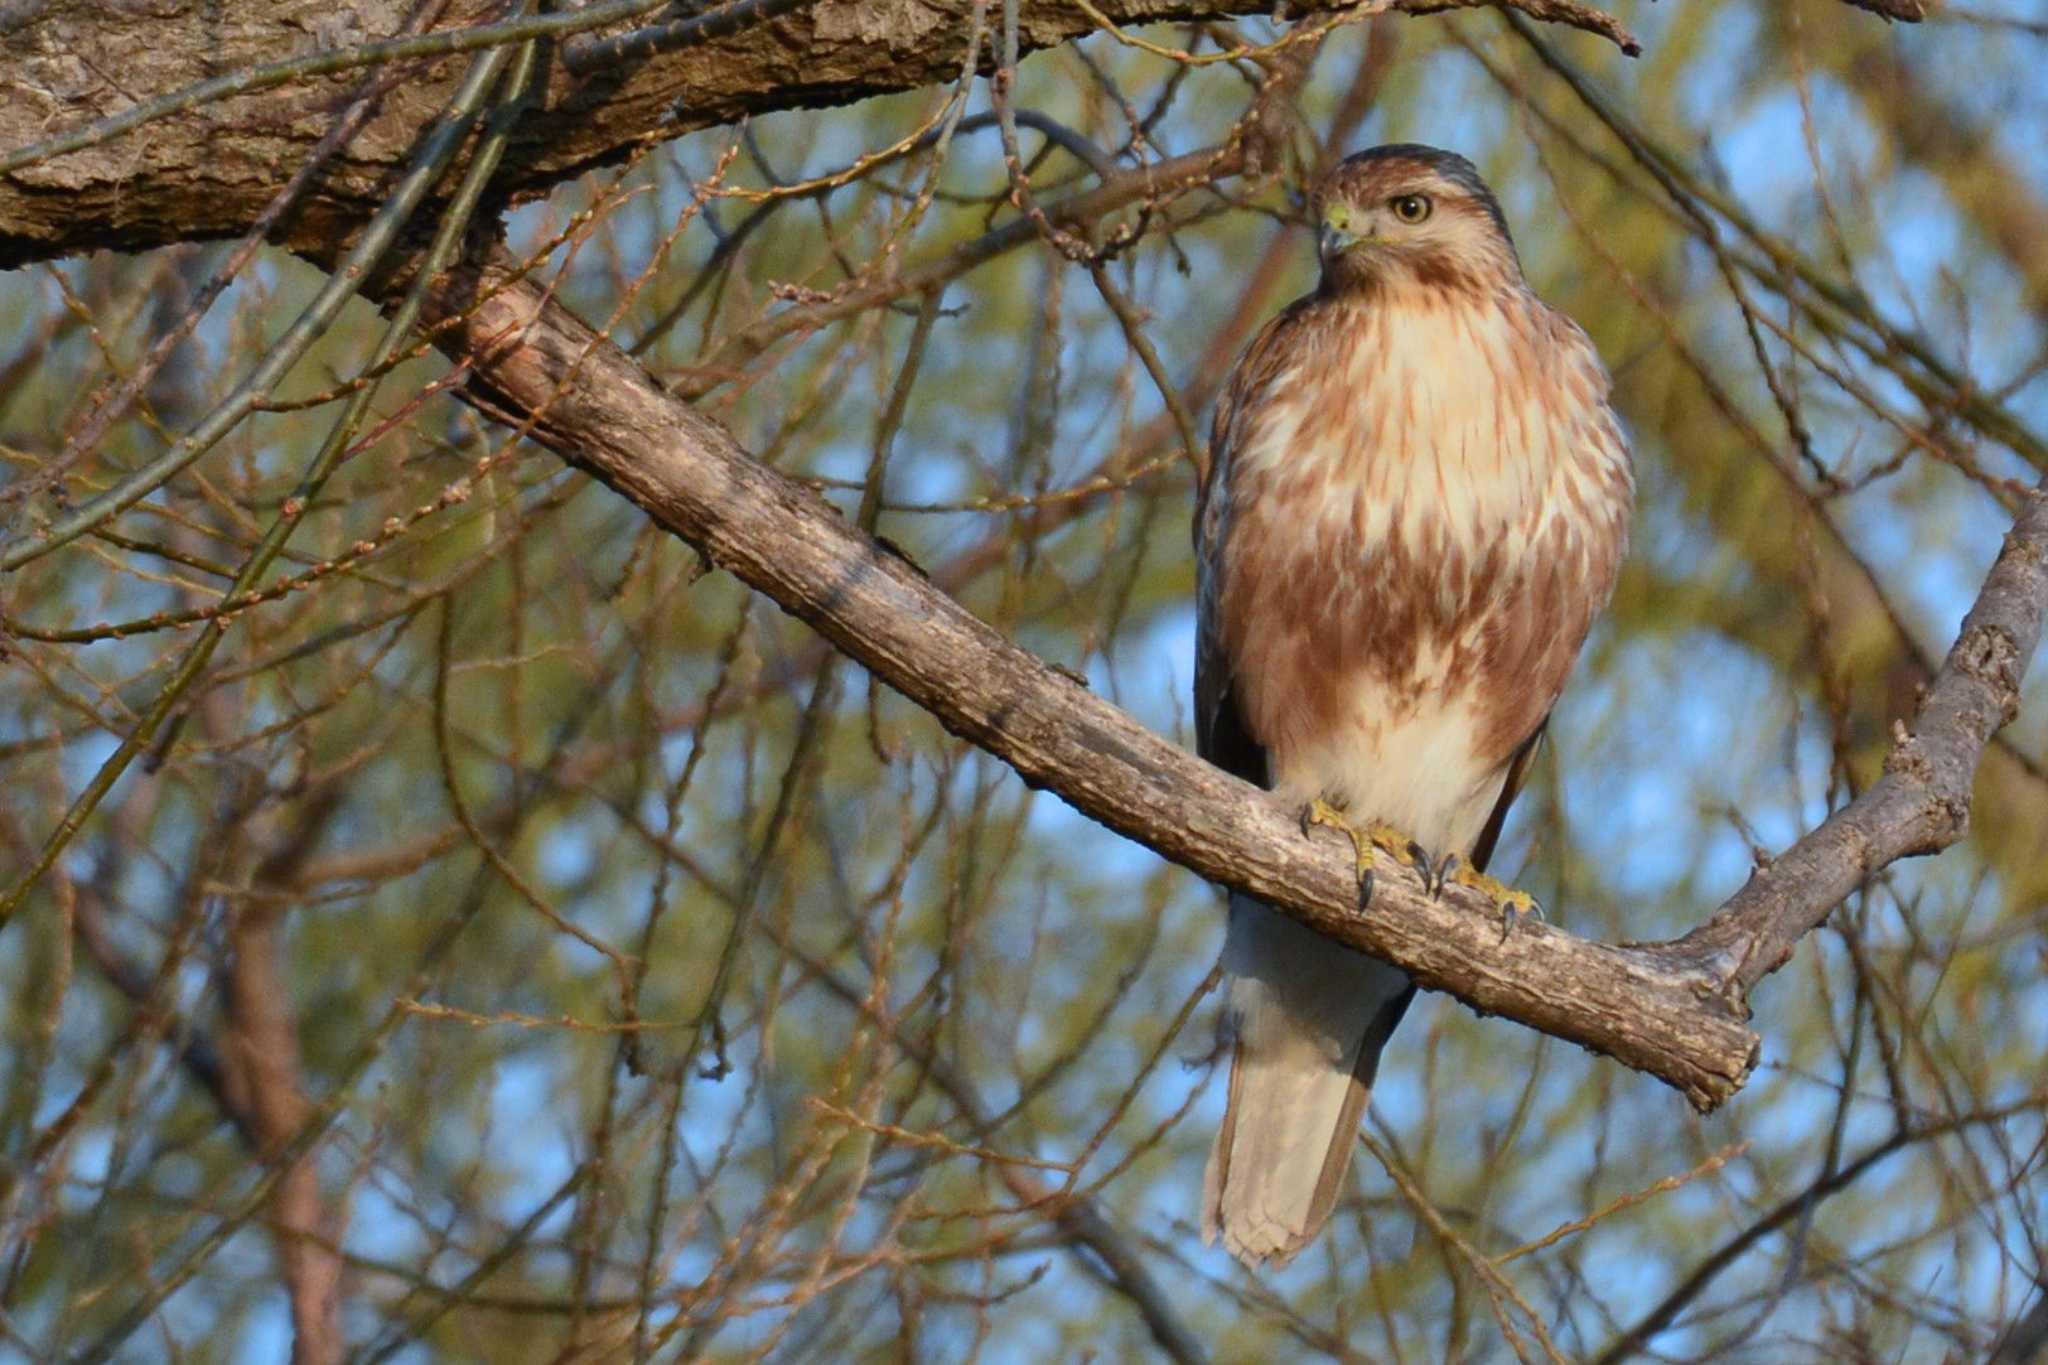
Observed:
{"x":1922,"y":803}
{"x":1629,"y":1345}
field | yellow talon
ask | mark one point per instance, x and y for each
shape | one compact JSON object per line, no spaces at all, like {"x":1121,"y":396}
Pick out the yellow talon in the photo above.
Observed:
{"x":1366,"y":842}
{"x":1511,"y":902}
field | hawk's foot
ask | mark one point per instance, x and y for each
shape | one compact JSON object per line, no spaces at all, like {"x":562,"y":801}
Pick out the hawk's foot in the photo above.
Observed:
{"x":1513,"y":903}
{"x":1367,"y":842}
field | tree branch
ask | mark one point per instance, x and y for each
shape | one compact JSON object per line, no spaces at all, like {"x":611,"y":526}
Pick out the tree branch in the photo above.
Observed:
{"x":1677,"y":1011}
{"x":150,"y":159}
{"x":251,"y":1067}
{"x":1921,"y":804}
{"x":266,"y":1076}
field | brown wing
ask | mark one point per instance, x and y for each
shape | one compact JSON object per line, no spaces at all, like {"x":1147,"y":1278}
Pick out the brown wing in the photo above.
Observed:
{"x":1220,"y":732}
{"x":1518,"y":773}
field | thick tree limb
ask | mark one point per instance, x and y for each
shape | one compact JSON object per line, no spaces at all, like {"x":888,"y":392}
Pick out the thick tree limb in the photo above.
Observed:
{"x":599,"y":409}
{"x":1677,"y":1011}
{"x":206,"y":168}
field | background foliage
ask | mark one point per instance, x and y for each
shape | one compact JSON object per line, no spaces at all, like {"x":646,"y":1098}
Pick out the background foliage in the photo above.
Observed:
{"x":670,"y":988}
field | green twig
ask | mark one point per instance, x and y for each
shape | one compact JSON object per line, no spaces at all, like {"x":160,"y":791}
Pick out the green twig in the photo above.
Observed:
{"x":377,"y":239}
{"x":434,"y":155}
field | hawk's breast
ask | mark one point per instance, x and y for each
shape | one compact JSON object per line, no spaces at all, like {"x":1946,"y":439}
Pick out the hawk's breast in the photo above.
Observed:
{"x":1423,"y":511}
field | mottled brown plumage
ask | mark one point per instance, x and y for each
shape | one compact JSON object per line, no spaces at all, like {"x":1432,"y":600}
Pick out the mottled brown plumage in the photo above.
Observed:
{"x":1418,"y":500}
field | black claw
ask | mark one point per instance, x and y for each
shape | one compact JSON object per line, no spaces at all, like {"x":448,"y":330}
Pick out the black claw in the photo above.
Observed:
{"x":1365,"y":888}
{"x":1512,"y":919}
{"x":1442,"y":875}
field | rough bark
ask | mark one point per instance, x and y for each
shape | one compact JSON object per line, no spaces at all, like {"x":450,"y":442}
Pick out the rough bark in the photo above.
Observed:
{"x":1677,"y":1011}
{"x":207,"y":171}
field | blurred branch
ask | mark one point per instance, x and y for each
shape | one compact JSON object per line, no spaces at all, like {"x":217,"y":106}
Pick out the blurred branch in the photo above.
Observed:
{"x":266,"y":1079}
{"x":251,"y":1066}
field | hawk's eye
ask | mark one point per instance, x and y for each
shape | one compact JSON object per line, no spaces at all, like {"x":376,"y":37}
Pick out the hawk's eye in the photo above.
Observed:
{"x":1410,"y":208}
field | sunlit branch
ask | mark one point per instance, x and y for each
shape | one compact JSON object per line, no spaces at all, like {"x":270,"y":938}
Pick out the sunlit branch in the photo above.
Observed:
{"x":1676,"y":1011}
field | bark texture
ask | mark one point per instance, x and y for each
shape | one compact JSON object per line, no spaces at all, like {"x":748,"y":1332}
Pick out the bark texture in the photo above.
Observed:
{"x":207,"y":171}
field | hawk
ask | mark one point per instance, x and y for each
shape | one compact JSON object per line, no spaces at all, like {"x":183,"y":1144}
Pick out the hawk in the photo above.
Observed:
{"x":1417,"y":502}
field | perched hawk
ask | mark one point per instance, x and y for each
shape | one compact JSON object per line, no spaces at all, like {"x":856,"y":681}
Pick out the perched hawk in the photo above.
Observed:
{"x":1417,"y":503}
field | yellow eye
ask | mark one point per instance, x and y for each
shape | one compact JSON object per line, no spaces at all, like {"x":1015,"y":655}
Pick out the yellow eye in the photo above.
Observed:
{"x":1410,"y":208}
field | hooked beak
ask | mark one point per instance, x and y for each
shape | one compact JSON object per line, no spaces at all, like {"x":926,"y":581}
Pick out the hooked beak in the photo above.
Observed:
{"x":1340,"y":230}
{"x":1332,"y":240}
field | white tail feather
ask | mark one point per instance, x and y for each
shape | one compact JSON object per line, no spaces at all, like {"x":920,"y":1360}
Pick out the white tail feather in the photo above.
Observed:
{"x":1303,"y":1008}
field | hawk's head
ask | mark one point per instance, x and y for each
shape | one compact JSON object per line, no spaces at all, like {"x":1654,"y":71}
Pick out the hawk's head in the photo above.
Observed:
{"x":1406,"y":210}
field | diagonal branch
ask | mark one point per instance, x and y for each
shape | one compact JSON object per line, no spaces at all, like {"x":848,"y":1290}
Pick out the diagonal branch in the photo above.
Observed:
{"x":596,"y":406}
{"x":1677,"y":1010}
